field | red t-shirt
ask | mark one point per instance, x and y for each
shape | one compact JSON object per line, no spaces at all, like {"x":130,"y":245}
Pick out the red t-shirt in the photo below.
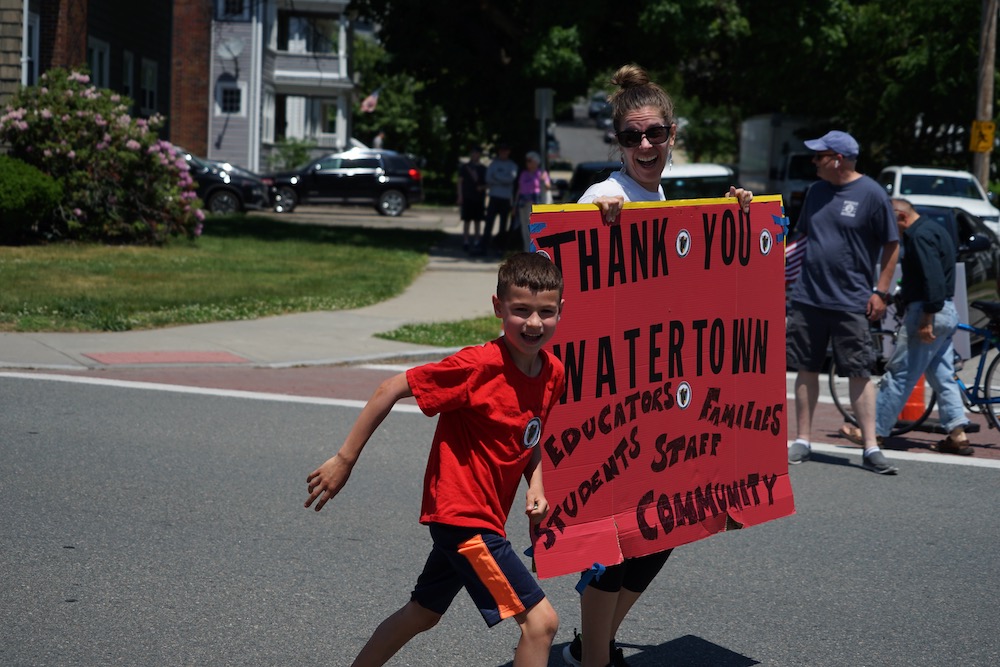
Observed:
{"x":491,"y":417}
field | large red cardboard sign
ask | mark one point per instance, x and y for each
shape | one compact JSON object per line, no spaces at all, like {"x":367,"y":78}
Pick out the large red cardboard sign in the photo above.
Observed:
{"x":674,"y":421}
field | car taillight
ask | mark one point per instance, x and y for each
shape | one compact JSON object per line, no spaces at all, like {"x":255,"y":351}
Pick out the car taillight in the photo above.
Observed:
{"x":414,"y":174}
{"x":267,"y":181}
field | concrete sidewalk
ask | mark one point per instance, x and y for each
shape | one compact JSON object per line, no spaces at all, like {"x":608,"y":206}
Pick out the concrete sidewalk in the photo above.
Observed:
{"x":453,"y":287}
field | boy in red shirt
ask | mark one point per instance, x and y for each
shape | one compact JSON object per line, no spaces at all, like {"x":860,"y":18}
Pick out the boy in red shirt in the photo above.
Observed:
{"x":493,"y":401}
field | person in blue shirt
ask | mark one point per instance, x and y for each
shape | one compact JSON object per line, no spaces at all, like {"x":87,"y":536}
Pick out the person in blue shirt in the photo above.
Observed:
{"x":850,"y":226}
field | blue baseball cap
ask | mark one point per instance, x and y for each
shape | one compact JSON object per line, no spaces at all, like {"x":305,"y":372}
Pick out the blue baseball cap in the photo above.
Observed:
{"x":836,"y":141}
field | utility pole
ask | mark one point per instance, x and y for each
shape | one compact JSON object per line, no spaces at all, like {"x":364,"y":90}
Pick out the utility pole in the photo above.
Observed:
{"x":984,"y":106}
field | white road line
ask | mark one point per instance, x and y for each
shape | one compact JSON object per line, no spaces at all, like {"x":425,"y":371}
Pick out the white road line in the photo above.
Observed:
{"x":393,"y":368}
{"x":203,"y":391}
{"x":828,"y":448}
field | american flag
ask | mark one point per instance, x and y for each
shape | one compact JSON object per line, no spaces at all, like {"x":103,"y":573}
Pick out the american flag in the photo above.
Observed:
{"x":795,"y":253}
{"x":369,"y":103}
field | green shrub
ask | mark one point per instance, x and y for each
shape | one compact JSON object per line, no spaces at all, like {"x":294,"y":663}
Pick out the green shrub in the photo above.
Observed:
{"x":121,"y":183}
{"x":28,"y":197}
{"x":291,"y":153}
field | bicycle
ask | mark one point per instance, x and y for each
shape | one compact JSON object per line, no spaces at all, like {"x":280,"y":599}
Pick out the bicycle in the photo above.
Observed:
{"x":980,"y":397}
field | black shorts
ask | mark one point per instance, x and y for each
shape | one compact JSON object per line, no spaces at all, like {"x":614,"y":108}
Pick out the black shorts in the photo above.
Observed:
{"x":482,"y":562}
{"x":633,"y":574}
{"x":812,"y":331}
{"x":473,"y":209}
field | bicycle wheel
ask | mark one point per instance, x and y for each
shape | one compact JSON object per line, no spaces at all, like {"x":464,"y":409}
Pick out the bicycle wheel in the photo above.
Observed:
{"x":841,"y":395}
{"x":991,"y":391}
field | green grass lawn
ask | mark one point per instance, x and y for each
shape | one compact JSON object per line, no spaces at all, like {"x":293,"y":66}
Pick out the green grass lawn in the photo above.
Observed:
{"x":240,"y":268}
{"x":448,"y":334}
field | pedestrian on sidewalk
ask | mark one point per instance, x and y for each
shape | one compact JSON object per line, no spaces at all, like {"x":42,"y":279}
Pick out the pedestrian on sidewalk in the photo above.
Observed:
{"x":532,"y":183}
{"x":924,"y":344}
{"x":500,"y":178}
{"x":849,"y":224}
{"x":472,"y":199}
{"x":493,"y":401}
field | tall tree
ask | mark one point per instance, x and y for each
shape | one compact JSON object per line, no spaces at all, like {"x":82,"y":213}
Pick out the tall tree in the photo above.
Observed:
{"x":900,"y":77}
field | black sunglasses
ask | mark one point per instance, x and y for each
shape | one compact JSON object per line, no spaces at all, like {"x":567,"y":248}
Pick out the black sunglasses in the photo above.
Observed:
{"x":656,"y":134}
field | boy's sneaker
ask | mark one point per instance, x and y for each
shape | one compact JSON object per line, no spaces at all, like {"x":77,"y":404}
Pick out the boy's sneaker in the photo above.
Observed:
{"x":876,"y":462}
{"x":798,"y":452}
{"x":573,"y":653}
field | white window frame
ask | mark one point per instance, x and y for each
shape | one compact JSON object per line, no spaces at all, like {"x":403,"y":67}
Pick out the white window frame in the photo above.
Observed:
{"x":98,"y":59}
{"x":148,"y":84}
{"x":221,"y":87}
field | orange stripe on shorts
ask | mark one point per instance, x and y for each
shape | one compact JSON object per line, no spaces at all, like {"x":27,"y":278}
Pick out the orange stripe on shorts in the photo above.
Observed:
{"x":485,"y":566}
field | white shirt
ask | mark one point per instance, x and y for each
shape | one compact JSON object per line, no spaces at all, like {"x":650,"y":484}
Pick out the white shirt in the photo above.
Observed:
{"x":620,"y":184}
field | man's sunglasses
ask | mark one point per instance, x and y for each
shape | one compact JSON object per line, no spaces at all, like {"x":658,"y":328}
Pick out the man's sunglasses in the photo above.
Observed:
{"x":656,"y":134}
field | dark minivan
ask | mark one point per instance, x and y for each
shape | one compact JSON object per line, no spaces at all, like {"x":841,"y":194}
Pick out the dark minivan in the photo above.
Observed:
{"x":387,"y":180}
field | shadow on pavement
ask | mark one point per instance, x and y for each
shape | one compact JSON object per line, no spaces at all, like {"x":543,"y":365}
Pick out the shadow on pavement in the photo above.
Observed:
{"x":688,"y":650}
{"x":820,"y":457}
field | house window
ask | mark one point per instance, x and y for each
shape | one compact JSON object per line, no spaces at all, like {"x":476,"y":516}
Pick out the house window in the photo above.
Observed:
{"x":232,"y":101}
{"x":328,"y":117}
{"x":268,"y":115}
{"x":305,"y":33}
{"x":98,"y":56}
{"x":128,"y":73}
{"x":233,"y":10}
{"x":147,"y":87}
{"x":229,"y":96}
{"x":30,"y":76}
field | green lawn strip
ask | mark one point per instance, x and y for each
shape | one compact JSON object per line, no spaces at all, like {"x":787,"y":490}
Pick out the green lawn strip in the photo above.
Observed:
{"x":447,"y":334}
{"x":240,"y":268}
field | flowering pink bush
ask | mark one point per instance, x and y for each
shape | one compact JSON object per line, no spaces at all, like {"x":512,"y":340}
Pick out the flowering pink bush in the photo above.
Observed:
{"x":121,"y":183}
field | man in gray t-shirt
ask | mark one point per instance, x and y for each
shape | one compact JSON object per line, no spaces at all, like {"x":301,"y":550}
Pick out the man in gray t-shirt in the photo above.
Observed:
{"x":850,"y":226}
{"x":500,"y":178}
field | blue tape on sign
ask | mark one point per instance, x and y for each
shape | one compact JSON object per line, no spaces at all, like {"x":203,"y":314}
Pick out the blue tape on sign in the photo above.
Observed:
{"x":783,"y":223}
{"x":530,"y":552}
{"x":594,"y":572}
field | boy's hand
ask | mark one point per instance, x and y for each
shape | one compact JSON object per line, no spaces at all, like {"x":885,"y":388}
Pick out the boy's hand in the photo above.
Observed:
{"x":536,"y":508}
{"x":328,"y":479}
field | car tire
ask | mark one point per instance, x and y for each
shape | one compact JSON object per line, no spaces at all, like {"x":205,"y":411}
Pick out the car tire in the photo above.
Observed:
{"x":286,"y":200}
{"x":391,"y":203}
{"x":224,"y":202}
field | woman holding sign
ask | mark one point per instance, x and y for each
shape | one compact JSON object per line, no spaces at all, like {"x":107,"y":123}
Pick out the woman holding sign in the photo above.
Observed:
{"x":643,"y":116}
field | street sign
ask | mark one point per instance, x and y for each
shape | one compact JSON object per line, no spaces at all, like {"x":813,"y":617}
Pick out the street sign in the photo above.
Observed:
{"x":981,"y":137}
{"x":543,"y":103}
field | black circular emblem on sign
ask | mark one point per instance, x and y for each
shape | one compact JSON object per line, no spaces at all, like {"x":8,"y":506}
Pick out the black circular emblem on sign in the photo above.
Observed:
{"x":682,"y":244}
{"x":683,"y":395}
{"x":766,"y":242}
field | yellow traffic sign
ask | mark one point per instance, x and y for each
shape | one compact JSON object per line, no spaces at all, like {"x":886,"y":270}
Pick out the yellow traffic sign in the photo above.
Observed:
{"x":981,"y":137}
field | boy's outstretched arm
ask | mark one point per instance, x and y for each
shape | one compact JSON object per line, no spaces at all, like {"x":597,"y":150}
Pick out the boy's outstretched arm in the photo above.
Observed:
{"x":326,"y":481}
{"x":536,"y":506}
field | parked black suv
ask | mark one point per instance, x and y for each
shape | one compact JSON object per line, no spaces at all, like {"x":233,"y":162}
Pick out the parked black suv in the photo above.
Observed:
{"x":224,"y":188}
{"x":385,"y":179}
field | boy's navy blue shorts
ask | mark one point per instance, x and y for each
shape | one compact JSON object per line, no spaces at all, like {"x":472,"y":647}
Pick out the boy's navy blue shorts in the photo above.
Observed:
{"x":485,"y":564}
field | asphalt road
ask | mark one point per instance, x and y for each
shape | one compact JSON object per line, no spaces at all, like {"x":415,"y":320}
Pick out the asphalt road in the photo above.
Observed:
{"x":161,"y":528}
